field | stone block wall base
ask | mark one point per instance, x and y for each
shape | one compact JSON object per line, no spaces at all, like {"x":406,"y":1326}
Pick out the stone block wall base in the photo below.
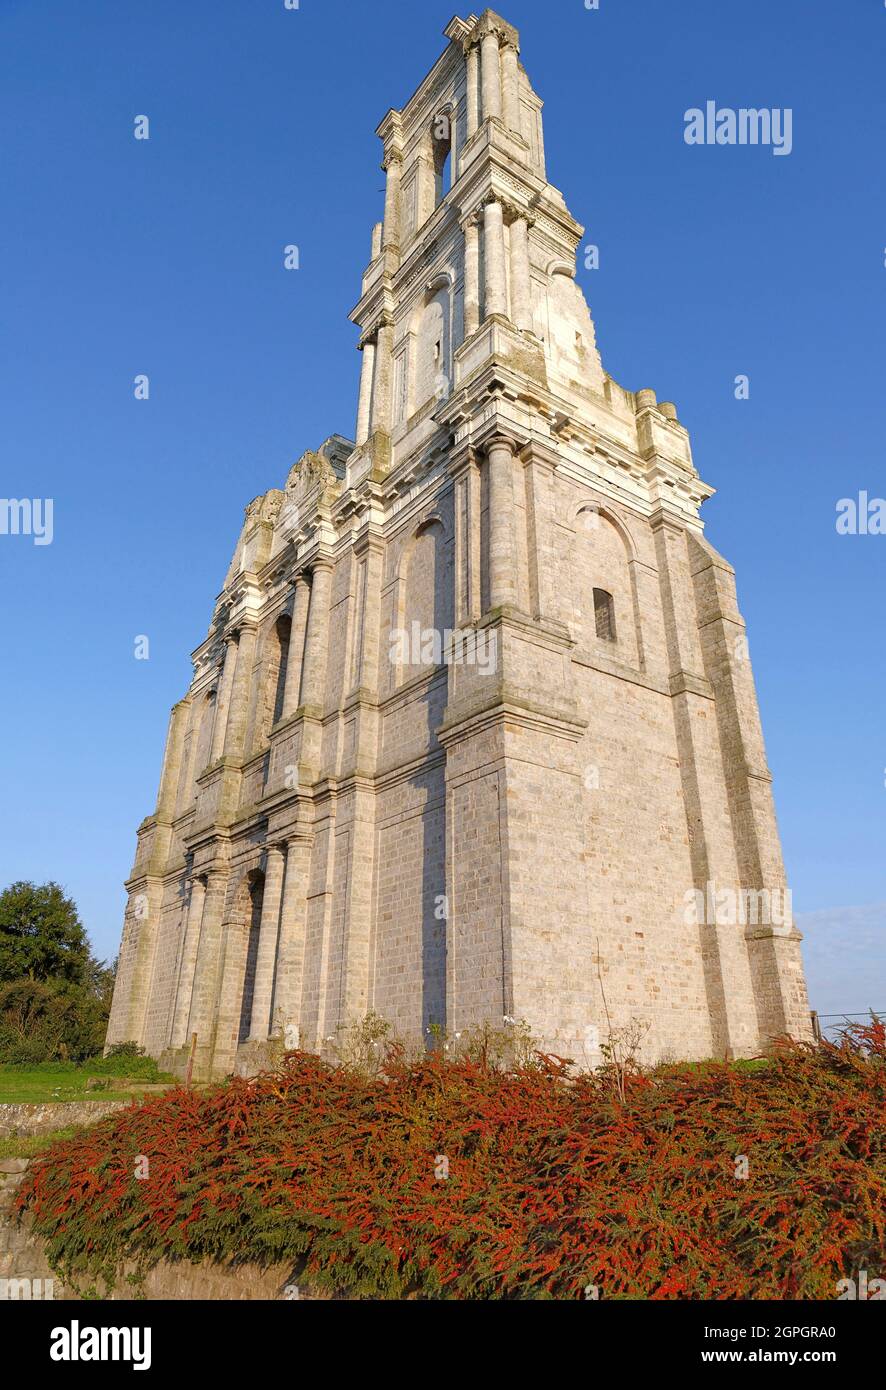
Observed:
{"x":26,"y":1275}
{"x":254,"y":1056}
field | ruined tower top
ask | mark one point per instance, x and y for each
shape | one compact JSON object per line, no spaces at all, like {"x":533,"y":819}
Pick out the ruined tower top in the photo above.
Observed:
{"x":470,"y":311}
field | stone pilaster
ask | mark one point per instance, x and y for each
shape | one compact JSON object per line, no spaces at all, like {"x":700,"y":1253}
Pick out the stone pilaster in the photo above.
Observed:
{"x":172,"y":761}
{"x":726,"y":967}
{"x":300,"y":603}
{"x":286,"y":1013}
{"x":204,"y":992}
{"x":540,"y":463}
{"x":773,"y":947}
{"x":187,"y":964}
{"x":263,"y":989}
{"x":465,"y":474}
{"x":235,"y":731}
{"x":235,"y":947}
{"x":368,"y":551}
{"x":223,"y":700}
{"x":472,"y":65}
{"x":317,"y":639}
{"x":185,"y":792}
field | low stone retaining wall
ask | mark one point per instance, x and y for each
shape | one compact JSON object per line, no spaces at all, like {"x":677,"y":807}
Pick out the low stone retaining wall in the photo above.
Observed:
{"x":25,"y":1272}
{"x":42,"y":1118}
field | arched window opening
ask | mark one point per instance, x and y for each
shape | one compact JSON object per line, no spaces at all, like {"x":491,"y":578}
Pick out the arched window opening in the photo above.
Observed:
{"x":604,"y":615}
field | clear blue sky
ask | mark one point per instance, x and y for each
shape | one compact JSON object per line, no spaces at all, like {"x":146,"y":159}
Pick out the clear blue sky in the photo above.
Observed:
{"x":120,"y":257}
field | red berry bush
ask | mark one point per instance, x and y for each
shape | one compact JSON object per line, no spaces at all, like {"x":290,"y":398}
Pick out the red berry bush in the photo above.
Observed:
{"x":451,"y":1179}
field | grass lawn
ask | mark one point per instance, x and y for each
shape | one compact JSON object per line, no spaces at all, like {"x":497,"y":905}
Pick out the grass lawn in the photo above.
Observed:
{"x":26,"y":1146}
{"x":46,"y":1081}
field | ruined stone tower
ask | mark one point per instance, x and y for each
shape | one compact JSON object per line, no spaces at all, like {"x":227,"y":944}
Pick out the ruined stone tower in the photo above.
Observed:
{"x":473,"y":733}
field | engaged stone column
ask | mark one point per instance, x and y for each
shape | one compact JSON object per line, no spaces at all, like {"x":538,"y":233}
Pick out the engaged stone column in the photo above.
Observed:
{"x":510,"y":81}
{"x":496,"y":296}
{"x":291,"y":947}
{"x":491,"y":66}
{"x":472,"y":63}
{"x":263,"y":988}
{"x":234,"y":951}
{"x":187,"y":964}
{"x":172,"y":761}
{"x":502,"y":550}
{"x":392,"y":165}
{"x":540,"y":462}
{"x":368,"y":552}
{"x":296,"y":646}
{"x":382,"y":392}
{"x":200,"y":1017}
{"x":223,"y":700}
{"x":367,"y":368}
{"x":317,"y":640}
{"x":521,"y":281}
{"x":236,"y":730}
{"x":472,"y":276}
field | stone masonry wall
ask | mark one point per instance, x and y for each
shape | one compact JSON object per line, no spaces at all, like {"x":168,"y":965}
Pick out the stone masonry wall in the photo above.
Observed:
{"x":25,"y":1272}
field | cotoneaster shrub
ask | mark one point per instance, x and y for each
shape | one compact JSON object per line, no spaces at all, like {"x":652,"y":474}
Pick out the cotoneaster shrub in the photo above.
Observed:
{"x":457,"y":1180}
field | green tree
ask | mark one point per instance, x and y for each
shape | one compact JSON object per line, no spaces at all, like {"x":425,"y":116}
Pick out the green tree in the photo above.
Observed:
{"x":41,"y":936}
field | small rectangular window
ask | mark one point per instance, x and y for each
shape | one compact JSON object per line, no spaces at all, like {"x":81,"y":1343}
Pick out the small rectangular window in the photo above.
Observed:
{"x":604,"y":615}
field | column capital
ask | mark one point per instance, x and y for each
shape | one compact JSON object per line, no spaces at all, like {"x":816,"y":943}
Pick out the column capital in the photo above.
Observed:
{"x":514,"y":213}
{"x":370,"y":334}
{"x":500,"y":430}
{"x":322,"y":562}
{"x":298,"y":839}
{"x":392,"y":157}
{"x":492,"y":23}
{"x":501,"y":439}
{"x":524,"y":215}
